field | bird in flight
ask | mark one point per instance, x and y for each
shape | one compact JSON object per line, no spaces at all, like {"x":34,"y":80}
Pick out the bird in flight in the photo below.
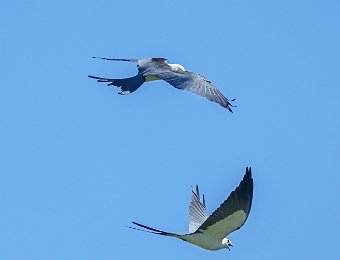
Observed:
{"x":150,"y":69}
{"x":209,"y":232}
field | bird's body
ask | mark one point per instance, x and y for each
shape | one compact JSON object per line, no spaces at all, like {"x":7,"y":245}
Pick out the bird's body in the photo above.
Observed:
{"x":205,"y":241}
{"x":151,"y":78}
{"x":151,"y":69}
{"x":210,"y":231}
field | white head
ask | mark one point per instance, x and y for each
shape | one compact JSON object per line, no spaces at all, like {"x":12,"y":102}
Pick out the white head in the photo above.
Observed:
{"x":177,"y":67}
{"x":226,"y":243}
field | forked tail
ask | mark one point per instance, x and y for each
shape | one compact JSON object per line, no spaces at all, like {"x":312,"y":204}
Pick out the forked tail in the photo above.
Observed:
{"x":153,"y":230}
{"x":128,"y":85}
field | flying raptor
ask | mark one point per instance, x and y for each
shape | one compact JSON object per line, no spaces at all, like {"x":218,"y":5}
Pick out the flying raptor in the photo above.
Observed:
{"x":150,"y":69}
{"x":209,"y":232}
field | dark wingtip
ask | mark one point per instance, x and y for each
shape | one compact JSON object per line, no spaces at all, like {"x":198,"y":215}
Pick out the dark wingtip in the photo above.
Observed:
{"x":248,"y":172}
{"x":229,"y":105}
{"x":197,"y":191}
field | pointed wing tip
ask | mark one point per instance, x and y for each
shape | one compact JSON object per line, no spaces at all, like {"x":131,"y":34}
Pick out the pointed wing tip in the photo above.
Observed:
{"x":230,"y":110}
{"x":248,"y":178}
{"x":229,"y":105}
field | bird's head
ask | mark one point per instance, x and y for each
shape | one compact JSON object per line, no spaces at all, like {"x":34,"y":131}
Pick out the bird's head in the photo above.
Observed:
{"x":226,"y":243}
{"x":177,"y":68}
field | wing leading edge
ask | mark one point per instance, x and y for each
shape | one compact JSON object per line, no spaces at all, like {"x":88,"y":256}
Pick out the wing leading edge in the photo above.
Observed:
{"x":233,"y":212}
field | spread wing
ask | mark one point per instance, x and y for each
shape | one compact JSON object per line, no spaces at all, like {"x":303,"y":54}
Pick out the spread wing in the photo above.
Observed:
{"x":233,"y":212}
{"x":197,"y":211}
{"x":144,"y":65}
{"x":194,"y":83}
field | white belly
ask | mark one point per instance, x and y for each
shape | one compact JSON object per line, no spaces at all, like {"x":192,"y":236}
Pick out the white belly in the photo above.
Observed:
{"x":201,"y":240}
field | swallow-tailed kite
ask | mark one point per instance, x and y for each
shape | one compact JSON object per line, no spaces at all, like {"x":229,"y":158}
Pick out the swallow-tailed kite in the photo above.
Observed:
{"x":150,"y":69}
{"x":209,"y":232}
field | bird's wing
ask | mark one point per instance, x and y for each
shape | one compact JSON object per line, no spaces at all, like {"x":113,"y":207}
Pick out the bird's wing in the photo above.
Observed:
{"x":233,"y":212}
{"x":144,"y":65}
{"x":197,"y":211}
{"x":192,"y":82}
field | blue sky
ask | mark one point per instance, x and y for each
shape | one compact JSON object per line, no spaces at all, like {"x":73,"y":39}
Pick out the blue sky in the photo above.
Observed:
{"x":78,"y":162}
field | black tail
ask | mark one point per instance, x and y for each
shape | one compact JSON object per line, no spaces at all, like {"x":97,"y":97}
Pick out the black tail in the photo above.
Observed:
{"x":153,"y":230}
{"x":127,"y":84}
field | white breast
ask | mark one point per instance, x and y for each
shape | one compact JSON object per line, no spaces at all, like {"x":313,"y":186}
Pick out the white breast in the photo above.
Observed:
{"x":202,"y":240}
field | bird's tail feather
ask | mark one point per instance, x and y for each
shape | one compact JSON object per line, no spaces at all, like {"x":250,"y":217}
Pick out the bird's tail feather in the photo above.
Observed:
{"x":128,"y":84}
{"x":153,"y":230}
{"x":103,"y":58}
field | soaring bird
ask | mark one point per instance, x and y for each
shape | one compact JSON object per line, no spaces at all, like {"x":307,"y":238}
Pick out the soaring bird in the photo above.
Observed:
{"x":209,"y":232}
{"x":150,"y":69}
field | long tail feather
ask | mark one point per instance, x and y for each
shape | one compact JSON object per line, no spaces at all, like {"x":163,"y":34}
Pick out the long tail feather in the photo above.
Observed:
{"x":128,"y":85}
{"x":103,"y":58}
{"x":99,"y":79}
{"x":153,"y":230}
{"x":139,"y":229}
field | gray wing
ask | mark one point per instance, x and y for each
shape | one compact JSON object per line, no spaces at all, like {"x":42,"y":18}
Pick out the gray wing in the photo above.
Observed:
{"x":144,"y":65}
{"x":197,"y":211}
{"x":194,"y":83}
{"x":233,"y":212}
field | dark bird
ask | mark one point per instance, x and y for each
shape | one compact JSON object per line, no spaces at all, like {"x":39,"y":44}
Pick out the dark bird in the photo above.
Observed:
{"x":150,"y":69}
{"x":209,"y":232}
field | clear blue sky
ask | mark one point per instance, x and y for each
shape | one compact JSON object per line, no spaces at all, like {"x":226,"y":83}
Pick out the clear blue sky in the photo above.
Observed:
{"x":78,"y":162}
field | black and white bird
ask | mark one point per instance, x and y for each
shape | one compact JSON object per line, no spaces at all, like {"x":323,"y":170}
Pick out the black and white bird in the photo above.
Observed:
{"x":209,"y":232}
{"x":150,"y":69}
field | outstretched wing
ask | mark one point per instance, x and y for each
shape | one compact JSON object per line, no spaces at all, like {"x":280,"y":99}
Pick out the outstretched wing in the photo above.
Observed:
{"x":194,"y":83}
{"x":144,"y":65}
{"x":197,"y":211}
{"x":233,"y":212}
